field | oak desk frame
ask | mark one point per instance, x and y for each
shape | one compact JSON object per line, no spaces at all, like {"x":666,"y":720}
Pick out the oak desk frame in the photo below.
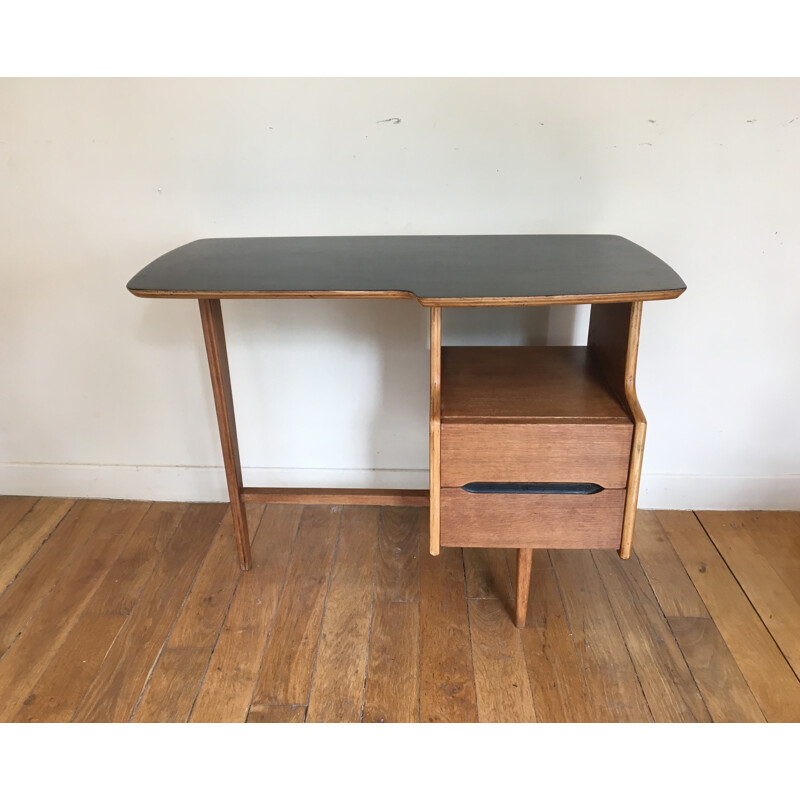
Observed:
{"x":612,"y":274}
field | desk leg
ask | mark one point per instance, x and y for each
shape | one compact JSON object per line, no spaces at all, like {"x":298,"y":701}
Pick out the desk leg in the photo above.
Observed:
{"x":214,"y":333}
{"x":524,"y":565}
{"x":435,"y":461}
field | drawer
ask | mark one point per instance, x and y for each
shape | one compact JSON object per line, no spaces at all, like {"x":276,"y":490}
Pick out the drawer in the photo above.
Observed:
{"x":532,"y":520}
{"x":595,"y":452}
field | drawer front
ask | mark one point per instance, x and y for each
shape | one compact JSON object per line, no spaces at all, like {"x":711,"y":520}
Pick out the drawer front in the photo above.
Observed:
{"x":532,"y":520}
{"x":527,"y":452}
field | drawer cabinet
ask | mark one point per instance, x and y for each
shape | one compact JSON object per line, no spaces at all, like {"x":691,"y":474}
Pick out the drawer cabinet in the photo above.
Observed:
{"x":518,"y":420}
{"x":537,"y":447}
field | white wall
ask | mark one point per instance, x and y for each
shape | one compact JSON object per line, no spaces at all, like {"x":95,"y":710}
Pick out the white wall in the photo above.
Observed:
{"x":105,"y":394}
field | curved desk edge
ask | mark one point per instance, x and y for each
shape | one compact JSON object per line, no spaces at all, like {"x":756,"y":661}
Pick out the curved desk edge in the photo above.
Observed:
{"x":442,"y":302}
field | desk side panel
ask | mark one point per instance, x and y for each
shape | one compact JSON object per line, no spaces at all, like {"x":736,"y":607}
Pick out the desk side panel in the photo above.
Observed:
{"x":614,"y":341}
{"x":435,"y":428}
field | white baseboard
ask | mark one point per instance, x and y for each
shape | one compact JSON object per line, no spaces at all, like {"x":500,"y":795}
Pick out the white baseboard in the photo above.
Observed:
{"x":720,"y":492}
{"x":194,"y":484}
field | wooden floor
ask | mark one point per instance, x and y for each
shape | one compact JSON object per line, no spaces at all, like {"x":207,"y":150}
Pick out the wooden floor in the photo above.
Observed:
{"x":123,"y":611}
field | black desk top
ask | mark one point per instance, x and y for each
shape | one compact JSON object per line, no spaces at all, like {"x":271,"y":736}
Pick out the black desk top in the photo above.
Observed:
{"x":435,"y":270}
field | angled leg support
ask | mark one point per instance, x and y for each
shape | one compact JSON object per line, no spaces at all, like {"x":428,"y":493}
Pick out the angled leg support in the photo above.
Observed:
{"x":214,"y":333}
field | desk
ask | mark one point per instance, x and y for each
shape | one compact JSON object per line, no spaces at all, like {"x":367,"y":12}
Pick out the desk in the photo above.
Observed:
{"x":529,"y":446}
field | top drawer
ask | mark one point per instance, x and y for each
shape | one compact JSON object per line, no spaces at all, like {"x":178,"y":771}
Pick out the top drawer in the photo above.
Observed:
{"x":520,"y":453}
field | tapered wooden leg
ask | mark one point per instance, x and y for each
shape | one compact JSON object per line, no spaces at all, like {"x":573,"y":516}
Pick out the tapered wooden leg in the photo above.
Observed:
{"x":214,"y":333}
{"x":524,"y":563}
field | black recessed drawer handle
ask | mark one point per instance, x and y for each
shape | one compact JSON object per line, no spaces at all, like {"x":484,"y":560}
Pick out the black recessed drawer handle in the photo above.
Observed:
{"x":531,"y":488}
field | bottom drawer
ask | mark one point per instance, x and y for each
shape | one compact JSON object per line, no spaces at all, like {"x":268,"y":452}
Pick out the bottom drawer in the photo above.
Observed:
{"x":532,"y":520}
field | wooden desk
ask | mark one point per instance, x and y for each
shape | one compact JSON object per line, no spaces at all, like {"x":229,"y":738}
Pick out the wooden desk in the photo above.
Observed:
{"x":529,"y":446}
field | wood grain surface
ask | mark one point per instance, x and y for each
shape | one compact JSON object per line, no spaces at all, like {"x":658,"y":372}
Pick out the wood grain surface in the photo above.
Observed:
{"x":23,"y":597}
{"x":530,"y":453}
{"x":614,"y":343}
{"x":227,"y":689}
{"x":447,"y":678}
{"x":276,"y":714}
{"x":397,"y":568}
{"x":715,"y":671}
{"x":487,"y":574}
{"x":435,"y":434}
{"x":122,"y":676}
{"x":531,"y":520}
{"x":686,"y":629}
{"x":761,"y":574}
{"x":337,"y":691}
{"x":610,"y":674}
{"x":665,"y":678}
{"x":54,"y":697}
{"x":173,"y":686}
{"x":219,"y":371}
{"x":391,"y":693}
{"x":557,"y":682}
{"x":765,"y":668}
{"x":501,"y":679}
{"x":285,"y":677}
{"x":360,"y":497}
{"x":25,"y":663}
{"x":12,"y":510}
{"x":28,"y":535}
{"x":525,"y":383}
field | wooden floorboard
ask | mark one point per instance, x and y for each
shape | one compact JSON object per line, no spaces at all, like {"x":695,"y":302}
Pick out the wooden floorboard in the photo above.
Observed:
{"x":502,"y":685}
{"x":121,"y":678}
{"x":501,"y":679}
{"x":120,"y":611}
{"x":285,"y":677}
{"x":447,"y":676}
{"x":560,"y":693}
{"x":56,"y":695}
{"x":762,"y":579}
{"x":719,"y":679}
{"x":488,"y":575}
{"x":227,"y":689}
{"x":768,"y":674}
{"x":777,"y":534}
{"x":12,"y":510}
{"x":337,"y":691}
{"x":173,"y":686}
{"x":184,"y":660}
{"x":28,"y":658}
{"x":275,"y":714}
{"x":391,"y":693}
{"x":23,"y":597}
{"x":203,"y":611}
{"x":613,"y":685}
{"x":397,"y":570}
{"x":120,"y":589}
{"x":28,"y":535}
{"x":667,"y":682}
